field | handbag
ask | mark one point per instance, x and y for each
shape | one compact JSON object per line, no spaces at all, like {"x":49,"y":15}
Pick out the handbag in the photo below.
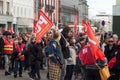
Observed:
{"x":104,"y":72}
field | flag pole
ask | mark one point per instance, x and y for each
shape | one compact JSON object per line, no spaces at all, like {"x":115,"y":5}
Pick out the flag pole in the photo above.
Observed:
{"x":63,"y":37}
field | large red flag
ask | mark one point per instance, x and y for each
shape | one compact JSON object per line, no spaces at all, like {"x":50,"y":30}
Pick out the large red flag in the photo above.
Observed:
{"x":42,"y":26}
{"x":94,"y":43}
{"x":75,"y":24}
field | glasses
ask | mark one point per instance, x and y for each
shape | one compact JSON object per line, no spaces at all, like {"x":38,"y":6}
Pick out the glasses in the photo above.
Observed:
{"x":110,"y":41}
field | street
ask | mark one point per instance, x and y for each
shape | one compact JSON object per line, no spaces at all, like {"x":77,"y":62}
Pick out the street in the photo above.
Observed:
{"x":25,"y":76}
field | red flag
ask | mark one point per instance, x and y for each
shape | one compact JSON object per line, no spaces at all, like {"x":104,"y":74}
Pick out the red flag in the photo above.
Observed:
{"x":10,"y":30}
{"x":35,"y":27}
{"x":94,"y":43}
{"x":91,"y":35}
{"x":42,"y":26}
{"x":112,"y":62}
{"x":75,"y":24}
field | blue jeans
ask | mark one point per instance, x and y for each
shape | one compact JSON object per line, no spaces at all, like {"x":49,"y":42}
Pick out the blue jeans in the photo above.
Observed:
{"x":18,"y":66}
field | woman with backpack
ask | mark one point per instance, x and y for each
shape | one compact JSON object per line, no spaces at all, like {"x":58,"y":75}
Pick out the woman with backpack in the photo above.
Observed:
{"x":55,"y":56}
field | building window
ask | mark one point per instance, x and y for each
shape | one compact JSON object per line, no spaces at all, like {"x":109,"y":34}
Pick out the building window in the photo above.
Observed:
{"x":45,"y":2}
{"x":48,"y":2}
{"x":53,"y":2}
{"x":39,"y":4}
{"x":42,"y":2}
{"x":8,"y":8}
{"x":21,"y":11}
{"x":18,"y":11}
{"x":1,"y":7}
{"x":25,"y":12}
{"x":14,"y":11}
{"x":29,"y":13}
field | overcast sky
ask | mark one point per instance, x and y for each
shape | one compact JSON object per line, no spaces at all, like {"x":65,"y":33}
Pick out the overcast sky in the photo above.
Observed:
{"x":96,"y":6}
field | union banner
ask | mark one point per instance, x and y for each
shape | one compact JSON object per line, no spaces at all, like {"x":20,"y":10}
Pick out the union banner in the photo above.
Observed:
{"x":42,"y":26}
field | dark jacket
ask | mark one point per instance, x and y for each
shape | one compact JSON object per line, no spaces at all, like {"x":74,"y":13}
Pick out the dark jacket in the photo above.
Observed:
{"x":110,"y":53}
{"x":35,"y":52}
{"x":65,"y":50}
{"x":117,"y":64}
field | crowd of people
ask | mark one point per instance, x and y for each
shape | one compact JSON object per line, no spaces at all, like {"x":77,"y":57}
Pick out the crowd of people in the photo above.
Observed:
{"x":59,"y":52}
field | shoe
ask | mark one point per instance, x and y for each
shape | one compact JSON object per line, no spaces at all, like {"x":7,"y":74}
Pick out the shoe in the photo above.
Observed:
{"x":30,"y":75}
{"x":7,"y":73}
{"x":20,"y":75}
{"x":15,"y":76}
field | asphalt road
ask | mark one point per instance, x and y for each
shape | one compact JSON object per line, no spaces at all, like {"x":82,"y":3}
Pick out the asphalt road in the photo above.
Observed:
{"x":25,"y":76}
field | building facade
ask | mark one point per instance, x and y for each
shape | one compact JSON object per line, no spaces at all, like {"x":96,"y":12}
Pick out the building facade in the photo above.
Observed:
{"x":117,"y":2}
{"x":50,"y":7}
{"x":83,"y":10}
{"x":6,"y":19}
{"x":62,"y":11}
{"x":23,"y":15}
{"x":69,"y":8}
{"x":116,"y":18}
{"x":107,"y":19}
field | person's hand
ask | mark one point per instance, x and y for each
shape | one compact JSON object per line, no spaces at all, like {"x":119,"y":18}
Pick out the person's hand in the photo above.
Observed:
{"x":67,"y":44}
{"x":116,"y":52}
{"x":19,"y":54}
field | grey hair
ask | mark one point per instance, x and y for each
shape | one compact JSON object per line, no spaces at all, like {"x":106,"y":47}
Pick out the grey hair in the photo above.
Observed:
{"x":115,"y":35}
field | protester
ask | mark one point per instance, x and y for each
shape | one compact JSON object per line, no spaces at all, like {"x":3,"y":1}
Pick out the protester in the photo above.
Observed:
{"x":65,"y":50}
{"x":18,"y":56}
{"x":35,"y":58}
{"x":90,"y":69}
{"x":71,"y":61}
{"x":117,"y":65}
{"x":8,"y":51}
{"x":104,"y":43}
{"x":110,"y":51}
{"x":78,"y":68}
{"x":115,"y":38}
{"x":91,"y":56}
{"x":55,"y":57}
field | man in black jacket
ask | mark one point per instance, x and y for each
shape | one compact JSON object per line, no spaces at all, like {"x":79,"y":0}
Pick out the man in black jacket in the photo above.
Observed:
{"x":65,"y":50}
{"x":35,"y":58}
{"x":111,"y":50}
